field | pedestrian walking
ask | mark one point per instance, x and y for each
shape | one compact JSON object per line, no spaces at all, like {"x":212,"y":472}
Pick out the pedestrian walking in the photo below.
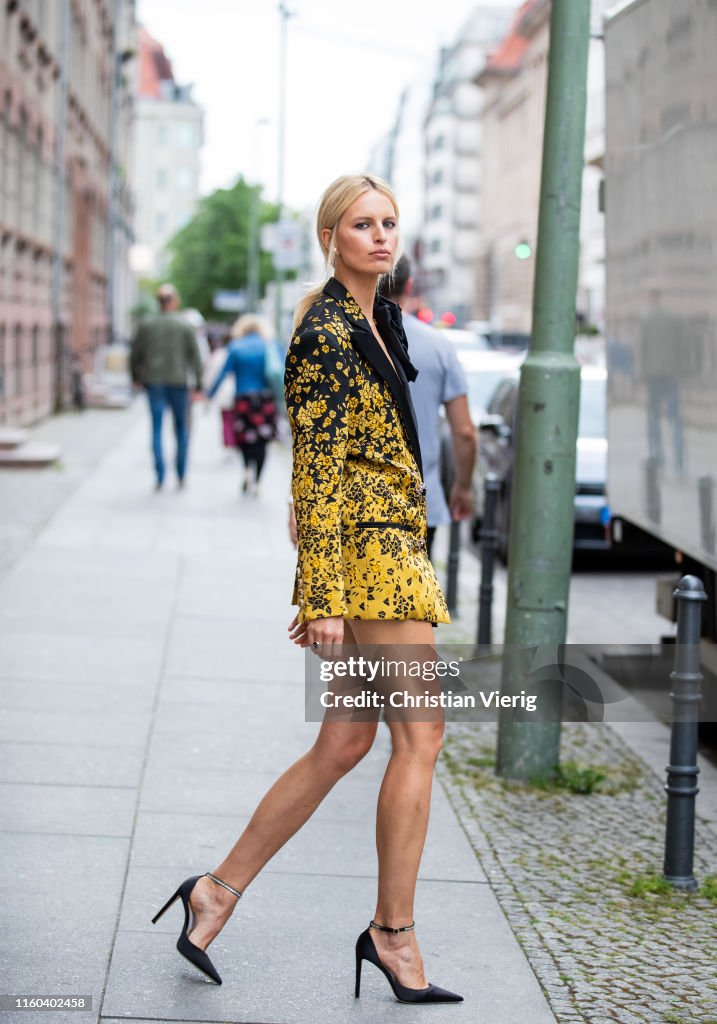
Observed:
{"x":219,"y":338}
{"x":164,"y":357}
{"x":440,"y":382}
{"x":363,"y":579}
{"x":255,"y":413}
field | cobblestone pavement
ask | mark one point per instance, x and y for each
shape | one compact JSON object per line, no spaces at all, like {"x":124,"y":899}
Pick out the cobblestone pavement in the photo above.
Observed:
{"x":563,"y":865}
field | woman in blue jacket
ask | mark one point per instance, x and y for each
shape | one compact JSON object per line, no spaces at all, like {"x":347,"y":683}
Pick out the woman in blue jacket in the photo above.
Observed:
{"x":254,"y":405}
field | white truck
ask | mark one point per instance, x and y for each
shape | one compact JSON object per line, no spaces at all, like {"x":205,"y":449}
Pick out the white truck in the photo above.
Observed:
{"x":661,"y":258}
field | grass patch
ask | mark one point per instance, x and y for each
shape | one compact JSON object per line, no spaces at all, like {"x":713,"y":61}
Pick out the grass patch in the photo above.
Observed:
{"x":572,"y":777}
{"x":652,"y":884}
{"x":708,"y":889}
{"x":481,"y":762}
{"x":645,"y":885}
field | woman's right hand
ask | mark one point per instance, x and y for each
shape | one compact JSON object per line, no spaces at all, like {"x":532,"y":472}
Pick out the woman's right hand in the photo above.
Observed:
{"x":323,"y":636}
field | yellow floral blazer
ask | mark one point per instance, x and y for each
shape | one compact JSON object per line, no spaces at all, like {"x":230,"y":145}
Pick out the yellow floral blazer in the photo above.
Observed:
{"x":357,"y":483}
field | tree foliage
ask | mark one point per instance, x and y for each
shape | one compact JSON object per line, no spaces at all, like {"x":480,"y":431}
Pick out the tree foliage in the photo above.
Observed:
{"x":211,"y":252}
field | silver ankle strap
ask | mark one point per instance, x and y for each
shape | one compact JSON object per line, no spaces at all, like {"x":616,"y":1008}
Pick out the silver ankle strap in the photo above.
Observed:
{"x":394,"y":931}
{"x":214,"y":878}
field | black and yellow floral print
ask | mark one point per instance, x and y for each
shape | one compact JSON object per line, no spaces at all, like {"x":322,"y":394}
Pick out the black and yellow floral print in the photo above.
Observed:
{"x":359,"y":497}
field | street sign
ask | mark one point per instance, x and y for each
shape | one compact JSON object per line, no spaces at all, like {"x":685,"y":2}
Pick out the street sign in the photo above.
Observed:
{"x":229,"y":301}
{"x":287,"y":246}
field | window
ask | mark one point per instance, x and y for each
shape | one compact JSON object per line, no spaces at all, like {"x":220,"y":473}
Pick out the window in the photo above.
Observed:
{"x":162,"y":177}
{"x":2,"y":361}
{"x":21,"y":144}
{"x":185,"y":136}
{"x":185,"y":179}
{"x":436,"y":245}
{"x":436,"y":212}
{"x":18,"y":359}
{"x":37,"y":190}
{"x":35,"y":356}
{"x":162,"y":134}
{"x":438,"y":142}
{"x":437,"y":176}
{"x":160,"y":223}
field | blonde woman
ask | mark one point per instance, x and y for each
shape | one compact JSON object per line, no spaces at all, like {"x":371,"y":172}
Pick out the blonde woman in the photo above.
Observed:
{"x":255,"y":409}
{"x":363,"y":578}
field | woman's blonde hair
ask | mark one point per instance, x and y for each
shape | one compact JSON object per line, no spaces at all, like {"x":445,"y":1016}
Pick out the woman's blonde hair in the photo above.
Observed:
{"x":332,"y":206}
{"x":252,"y":323}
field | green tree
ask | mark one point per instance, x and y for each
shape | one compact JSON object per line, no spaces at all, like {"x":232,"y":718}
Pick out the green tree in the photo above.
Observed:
{"x":211,"y":252}
{"x":146,"y":303}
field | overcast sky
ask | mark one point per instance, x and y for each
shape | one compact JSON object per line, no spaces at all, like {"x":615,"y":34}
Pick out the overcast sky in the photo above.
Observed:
{"x":347,"y":65}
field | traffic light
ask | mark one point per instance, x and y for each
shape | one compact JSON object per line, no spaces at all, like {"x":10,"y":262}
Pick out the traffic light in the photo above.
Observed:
{"x":523,"y":250}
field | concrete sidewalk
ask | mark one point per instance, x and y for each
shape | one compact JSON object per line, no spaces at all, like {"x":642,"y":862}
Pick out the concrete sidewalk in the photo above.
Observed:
{"x":149,"y":697}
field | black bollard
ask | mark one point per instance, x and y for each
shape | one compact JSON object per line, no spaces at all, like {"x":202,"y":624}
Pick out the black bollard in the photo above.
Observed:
{"x":453,"y":560}
{"x":489,"y":546}
{"x":682,"y":771}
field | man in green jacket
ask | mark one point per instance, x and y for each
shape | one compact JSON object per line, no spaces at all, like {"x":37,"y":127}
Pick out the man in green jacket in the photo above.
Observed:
{"x":164,"y":356}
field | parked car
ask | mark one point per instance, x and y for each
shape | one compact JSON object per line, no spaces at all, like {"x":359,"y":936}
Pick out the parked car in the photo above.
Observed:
{"x":466,"y":341}
{"x":497,"y":431}
{"x":510,"y":341}
{"x":484,"y":369}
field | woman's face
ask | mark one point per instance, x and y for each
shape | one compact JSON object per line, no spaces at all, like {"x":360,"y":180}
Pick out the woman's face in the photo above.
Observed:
{"x":367,"y":235}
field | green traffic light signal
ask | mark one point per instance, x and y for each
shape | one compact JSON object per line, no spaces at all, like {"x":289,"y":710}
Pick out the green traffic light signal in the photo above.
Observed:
{"x":523,"y":251}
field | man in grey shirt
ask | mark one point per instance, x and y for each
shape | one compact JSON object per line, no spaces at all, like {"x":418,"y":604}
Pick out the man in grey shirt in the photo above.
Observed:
{"x":164,"y":356}
{"x":440,"y":381}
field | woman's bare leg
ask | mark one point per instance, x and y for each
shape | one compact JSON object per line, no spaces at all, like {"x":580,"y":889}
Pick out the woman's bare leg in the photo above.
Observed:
{"x":289,"y":803}
{"x":405,"y":796}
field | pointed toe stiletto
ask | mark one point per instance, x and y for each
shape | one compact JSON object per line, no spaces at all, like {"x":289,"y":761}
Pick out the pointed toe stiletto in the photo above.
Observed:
{"x":365,"y":950}
{"x":189,"y":951}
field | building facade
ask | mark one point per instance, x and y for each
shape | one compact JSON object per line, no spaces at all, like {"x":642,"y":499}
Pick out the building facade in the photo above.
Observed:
{"x":454,"y":149}
{"x":61,"y":179}
{"x":169,"y":137}
{"x":514,"y":83}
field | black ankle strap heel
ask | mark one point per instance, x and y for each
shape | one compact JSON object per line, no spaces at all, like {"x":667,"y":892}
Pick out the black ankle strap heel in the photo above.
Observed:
{"x":189,"y":951}
{"x":394,"y":931}
{"x":366,"y":950}
{"x":208,"y":874}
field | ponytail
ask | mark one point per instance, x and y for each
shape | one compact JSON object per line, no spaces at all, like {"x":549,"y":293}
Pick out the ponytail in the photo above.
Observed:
{"x":305,"y":304}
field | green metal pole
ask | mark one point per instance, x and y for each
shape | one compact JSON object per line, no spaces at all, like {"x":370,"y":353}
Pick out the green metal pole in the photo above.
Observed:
{"x":541,"y":529}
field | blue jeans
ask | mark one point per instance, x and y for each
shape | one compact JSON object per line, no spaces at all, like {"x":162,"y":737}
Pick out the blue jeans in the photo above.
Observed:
{"x":160,"y":396}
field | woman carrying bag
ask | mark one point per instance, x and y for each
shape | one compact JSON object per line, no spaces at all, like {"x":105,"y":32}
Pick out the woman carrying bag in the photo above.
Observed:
{"x":255,"y":408}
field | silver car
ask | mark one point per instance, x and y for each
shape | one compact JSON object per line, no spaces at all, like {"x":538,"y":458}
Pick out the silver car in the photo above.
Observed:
{"x":497,"y":452}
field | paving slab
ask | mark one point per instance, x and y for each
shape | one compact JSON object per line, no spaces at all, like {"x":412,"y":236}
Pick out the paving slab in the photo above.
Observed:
{"x":212,"y":648}
{"x":102,"y":570}
{"x":284,"y":965}
{"x":43,"y":655}
{"x":60,"y":695}
{"x":71,"y":764}
{"x":74,"y":726}
{"x":327,"y":843}
{"x":69,"y":810}
{"x":28,"y":500}
{"x":60,"y":896}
